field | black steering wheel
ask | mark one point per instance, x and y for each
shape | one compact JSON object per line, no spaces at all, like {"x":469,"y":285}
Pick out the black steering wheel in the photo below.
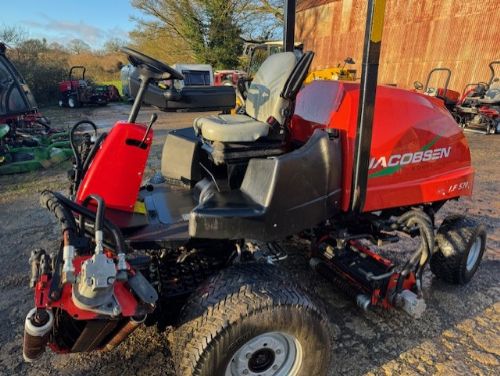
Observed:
{"x":136,"y":58}
{"x":418,"y":85}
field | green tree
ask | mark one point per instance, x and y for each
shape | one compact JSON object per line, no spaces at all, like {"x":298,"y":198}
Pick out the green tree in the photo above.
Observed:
{"x":210,"y":31}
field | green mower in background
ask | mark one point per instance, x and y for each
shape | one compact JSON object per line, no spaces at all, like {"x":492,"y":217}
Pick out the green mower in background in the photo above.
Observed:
{"x":27,"y":142}
{"x":16,"y":159}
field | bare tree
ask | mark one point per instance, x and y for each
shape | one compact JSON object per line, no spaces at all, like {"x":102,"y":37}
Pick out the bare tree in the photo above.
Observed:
{"x":12,"y":35}
{"x":77,"y":46}
{"x":114,"y":45}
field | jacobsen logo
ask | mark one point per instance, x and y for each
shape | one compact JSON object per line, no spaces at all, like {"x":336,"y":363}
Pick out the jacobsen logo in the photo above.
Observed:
{"x":398,"y":160}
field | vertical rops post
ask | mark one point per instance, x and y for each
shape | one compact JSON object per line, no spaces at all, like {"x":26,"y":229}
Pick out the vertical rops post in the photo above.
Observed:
{"x":289,"y":27}
{"x":368,"y":89}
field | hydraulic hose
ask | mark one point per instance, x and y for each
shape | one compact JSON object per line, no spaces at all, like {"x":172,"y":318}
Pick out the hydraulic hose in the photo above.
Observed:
{"x":423,"y":253}
{"x":72,"y":140}
{"x":99,"y":217}
{"x":107,"y":225}
{"x":78,"y":160}
{"x":68,"y":225}
{"x":92,"y":153}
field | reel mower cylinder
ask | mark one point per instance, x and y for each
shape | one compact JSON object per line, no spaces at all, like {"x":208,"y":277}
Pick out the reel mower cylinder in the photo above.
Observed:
{"x":37,"y":328}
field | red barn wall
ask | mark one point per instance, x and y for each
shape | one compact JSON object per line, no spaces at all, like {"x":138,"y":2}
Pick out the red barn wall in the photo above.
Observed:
{"x":463,"y":35}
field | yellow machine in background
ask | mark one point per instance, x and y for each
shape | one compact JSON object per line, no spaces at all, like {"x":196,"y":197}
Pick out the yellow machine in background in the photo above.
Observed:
{"x":338,"y":73}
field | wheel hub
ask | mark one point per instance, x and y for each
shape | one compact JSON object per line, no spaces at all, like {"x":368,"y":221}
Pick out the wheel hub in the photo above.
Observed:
{"x":261,"y":360}
{"x":269,"y":354}
{"x":473,"y":255}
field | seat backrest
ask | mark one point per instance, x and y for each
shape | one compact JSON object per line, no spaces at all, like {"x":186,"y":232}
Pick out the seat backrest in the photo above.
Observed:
{"x":263,"y":99}
{"x":299,"y":74}
{"x":493,"y":92}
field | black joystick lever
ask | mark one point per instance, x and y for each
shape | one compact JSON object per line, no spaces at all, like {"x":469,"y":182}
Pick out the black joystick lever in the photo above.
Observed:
{"x":154,"y":117}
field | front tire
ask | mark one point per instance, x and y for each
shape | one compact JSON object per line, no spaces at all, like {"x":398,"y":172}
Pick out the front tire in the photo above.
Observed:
{"x":460,"y":246}
{"x":250,"y":320}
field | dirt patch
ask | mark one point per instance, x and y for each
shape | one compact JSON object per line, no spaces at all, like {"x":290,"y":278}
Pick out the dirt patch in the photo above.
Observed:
{"x":458,"y":334}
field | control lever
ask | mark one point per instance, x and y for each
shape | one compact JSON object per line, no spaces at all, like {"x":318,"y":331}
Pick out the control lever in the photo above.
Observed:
{"x":154,"y":117}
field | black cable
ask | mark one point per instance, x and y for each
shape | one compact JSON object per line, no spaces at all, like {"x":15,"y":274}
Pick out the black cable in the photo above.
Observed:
{"x":78,"y":161}
{"x":92,"y":153}
{"x":99,"y":218}
{"x":107,"y":225}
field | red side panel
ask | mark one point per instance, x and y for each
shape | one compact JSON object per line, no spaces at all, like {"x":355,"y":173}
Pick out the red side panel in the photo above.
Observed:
{"x":68,"y":85}
{"x":452,"y":95}
{"x":116,"y":172}
{"x":418,"y":154}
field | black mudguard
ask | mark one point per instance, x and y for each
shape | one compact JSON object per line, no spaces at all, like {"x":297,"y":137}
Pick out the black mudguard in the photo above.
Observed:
{"x":279,"y":196}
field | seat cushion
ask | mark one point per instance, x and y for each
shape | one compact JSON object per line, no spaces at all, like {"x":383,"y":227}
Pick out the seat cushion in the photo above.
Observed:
{"x":230,"y":128}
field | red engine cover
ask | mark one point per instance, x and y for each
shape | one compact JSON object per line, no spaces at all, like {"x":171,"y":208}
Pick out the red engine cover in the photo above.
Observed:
{"x":418,"y":153}
{"x":116,"y":172}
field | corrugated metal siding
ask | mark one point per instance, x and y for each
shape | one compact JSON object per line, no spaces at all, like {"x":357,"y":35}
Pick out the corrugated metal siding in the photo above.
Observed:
{"x":463,"y":35}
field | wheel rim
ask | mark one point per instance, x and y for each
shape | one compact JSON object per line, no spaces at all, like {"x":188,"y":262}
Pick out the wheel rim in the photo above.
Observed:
{"x":71,"y":102}
{"x":269,"y":354}
{"x":473,"y":255}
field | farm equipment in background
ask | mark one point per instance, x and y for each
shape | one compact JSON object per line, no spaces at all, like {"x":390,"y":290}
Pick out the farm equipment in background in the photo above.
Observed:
{"x":27,"y":144}
{"x":111,"y":91}
{"x":228,"y":77}
{"x":337,"y":73}
{"x":79,"y":92}
{"x":479,"y":107}
{"x":27,"y":141}
{"x":449,"y":97}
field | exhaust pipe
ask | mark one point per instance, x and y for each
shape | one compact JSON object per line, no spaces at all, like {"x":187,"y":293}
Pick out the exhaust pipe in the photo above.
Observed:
{"x":124,"y":332}
{"x":37,"y":328}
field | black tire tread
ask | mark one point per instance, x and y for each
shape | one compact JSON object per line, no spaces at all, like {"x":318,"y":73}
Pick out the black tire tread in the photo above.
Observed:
{"x":454,"y":239}
{"x":228,"y":297}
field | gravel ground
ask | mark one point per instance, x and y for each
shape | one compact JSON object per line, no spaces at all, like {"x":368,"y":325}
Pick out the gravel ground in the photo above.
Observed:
{"x":459,"y":334}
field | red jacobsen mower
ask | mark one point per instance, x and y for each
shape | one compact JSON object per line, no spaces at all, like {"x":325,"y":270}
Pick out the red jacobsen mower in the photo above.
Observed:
{"x":199,"y":248}
{"x":78,"y":92}
{"x":449,"y":97}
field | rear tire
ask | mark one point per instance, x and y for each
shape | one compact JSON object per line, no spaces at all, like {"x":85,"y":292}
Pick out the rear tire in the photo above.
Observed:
{"x":250,"y":320}
{"x":460,"y":246}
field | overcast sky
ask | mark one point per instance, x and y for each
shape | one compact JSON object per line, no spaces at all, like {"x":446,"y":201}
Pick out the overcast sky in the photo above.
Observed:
{"x":93,"y":21}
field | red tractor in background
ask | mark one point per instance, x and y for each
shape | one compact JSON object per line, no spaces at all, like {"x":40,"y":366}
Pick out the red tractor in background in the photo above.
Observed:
{"x":78,"y":92}
{"x":449,"y":97}
{"x":228,"y":77}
